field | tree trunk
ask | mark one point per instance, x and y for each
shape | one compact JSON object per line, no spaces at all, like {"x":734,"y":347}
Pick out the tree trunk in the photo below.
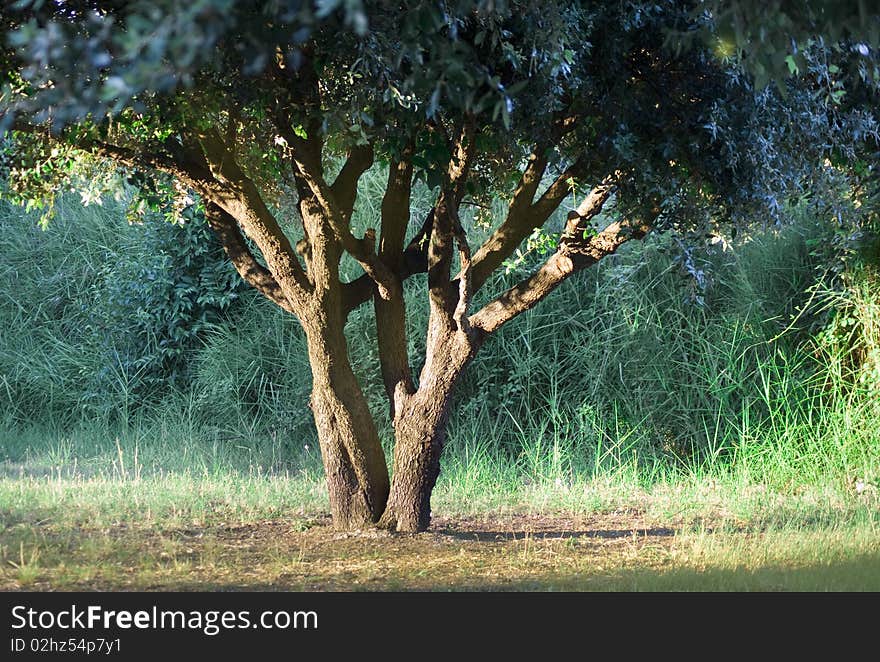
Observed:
{"x":420,"y":433}
{"x":354,"y":462}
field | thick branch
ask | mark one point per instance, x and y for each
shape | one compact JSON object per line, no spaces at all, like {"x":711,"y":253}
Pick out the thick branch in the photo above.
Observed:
{"x":524,"y":195}
{"x":415,"y":258}
{"x":523,"y":215}
{"x":344,"y":188}
{"x":338,"y":212}
{"x":448,"y":334}
{"x":575,"y":252}
{"x":395,"y":210}
{"x":463,"y":151}
{"x":299,"y":95}
{"x":595,"y":200}
{"x":254,"y":273}
{"x":191,"y":167}
{"x":561,"y":187}
{"x":440,"y":248}
{"x":237,"y":194}
{"x":187,"y":172}
{"x":391,"y":313}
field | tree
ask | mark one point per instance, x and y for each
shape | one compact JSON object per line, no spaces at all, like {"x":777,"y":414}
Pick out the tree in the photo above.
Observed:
{"x":771,"y":36}
{"x":248,"y":105}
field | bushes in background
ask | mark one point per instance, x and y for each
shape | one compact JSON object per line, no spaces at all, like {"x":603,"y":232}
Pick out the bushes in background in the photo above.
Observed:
{"x":773,"y":364}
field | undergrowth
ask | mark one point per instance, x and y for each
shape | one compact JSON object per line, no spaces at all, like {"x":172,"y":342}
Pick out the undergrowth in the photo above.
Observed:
{"x":120,"y":347}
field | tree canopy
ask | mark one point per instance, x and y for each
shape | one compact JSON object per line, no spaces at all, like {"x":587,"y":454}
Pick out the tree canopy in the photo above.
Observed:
{"x":135,"y":74}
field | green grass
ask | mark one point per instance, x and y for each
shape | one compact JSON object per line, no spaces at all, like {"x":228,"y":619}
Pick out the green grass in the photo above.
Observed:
{"x":614,"y":551}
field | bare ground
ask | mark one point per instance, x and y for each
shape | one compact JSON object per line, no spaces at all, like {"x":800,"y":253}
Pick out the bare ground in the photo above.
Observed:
{"x":614,"y":551}
{"x":495,"y":553}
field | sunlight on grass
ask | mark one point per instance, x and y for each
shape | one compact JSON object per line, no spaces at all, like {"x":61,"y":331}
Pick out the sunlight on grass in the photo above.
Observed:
{"x":167,"y":501}
{"x":835,"y":559}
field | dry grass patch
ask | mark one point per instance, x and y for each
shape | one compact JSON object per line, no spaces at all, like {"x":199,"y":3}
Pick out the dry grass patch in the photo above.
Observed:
{"x":616,"y":551}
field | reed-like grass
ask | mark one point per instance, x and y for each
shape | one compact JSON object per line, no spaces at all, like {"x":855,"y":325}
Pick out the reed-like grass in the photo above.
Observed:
{"x":619,"y":388}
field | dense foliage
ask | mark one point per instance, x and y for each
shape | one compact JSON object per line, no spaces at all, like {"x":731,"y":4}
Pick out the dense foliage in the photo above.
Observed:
{"x":109,"y":314}
{"x":158,"y":300}
{"x":671,"y":118}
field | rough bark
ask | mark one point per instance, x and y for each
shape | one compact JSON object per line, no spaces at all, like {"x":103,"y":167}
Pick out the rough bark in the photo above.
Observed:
{"x":233,"y":191}
{"x":414,"y":260}
{"x":391,"y":312}
{"x":354,"y":462}
{"x":453,"y":340}
{"x":420,"y":434}
{"x":420,"y":418}
{"x":419,"y":438}
{"x":523,"y":215}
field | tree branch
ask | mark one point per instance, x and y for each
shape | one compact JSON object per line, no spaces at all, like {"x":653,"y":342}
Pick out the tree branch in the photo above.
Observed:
{"x":440,"y":248}
{"x":414,"y":260}
{"x":207,"y":167}
{"x":188,"y":173}
{"x":254,"y":273}
{"x":344,"y":188}
{"x":237,"y":194}
{"x":395,"y":209}
{"x":523,"y":215}
{"x":391,"y":313}
{"x":338,"y":212}
{"x":299,"y":95}
{"x":464,"y":281}
{"x":577,"y":250}
{"x":561,"y":187}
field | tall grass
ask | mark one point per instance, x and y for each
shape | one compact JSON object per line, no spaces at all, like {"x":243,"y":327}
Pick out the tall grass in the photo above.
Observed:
{"x":47,"y":353}
{"x":769,"y":379}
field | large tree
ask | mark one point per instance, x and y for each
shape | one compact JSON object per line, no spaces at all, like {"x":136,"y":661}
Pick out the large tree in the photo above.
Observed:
{"x":249,"y":105}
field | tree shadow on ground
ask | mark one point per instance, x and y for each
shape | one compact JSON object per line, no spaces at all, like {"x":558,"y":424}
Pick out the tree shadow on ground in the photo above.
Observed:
{"x":619,"y":552}
{"x":605,"y":534}
{"x":854,"y":575}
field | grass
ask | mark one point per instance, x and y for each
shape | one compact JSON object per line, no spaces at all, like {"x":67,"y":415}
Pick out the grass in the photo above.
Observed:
{"x":609,"y":552}
{"x":741,"y":416}
{"x":147,"y":530}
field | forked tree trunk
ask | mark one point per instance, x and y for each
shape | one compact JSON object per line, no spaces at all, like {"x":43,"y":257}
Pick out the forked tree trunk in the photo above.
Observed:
{"x":354,"y":462}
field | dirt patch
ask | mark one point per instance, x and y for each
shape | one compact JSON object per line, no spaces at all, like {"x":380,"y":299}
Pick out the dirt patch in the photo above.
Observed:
{"x":474,"y":553}
{"x":620,"y":550}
